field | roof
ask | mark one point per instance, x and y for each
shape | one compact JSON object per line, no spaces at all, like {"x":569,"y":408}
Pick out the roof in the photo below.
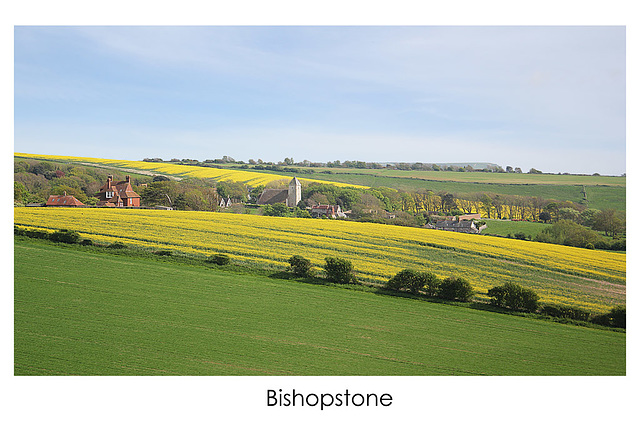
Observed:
{"x":295,"y":181}
{"x":64,"y":200}
{"x":123,"y":189}
{"x":454,"y":224}
{"x":272,"y":195}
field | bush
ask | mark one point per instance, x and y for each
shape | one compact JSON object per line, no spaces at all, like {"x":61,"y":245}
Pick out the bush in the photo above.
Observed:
{"x":300,"y":266}
{"x":339,"y":270}
{"x":619,"y":245}
{"x":414,"y":282}
{"x":455,"y":289}
{"x":163,"y":253}
{"x":86,"y":242}
{"x":34,"y":234}
{"x":219,"y":259}
{"x":566,"y":312}
{"x":618,"y":316}
{"x":117,"y":245}
{"x":514,"y":297}
{"x":65,"y":236}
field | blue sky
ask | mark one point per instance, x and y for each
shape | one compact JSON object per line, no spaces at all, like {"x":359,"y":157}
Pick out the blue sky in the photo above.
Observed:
{"x":552,"y":98}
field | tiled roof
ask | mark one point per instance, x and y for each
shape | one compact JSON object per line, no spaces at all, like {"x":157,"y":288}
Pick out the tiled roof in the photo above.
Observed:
{"x":272,"y":195}
{"x":63,"y":201}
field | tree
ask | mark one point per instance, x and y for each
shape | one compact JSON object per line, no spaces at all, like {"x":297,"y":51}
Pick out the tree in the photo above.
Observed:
{"x":339,"y":270}
{"x":588,"y":217}
{"x":219,"y":259}
{"x":455,"y":288}
{"x":514,"y":296}
{"x":569,"y":213}
{"x":566,"y":232}
{"x":608,"y":221}
{"x":414,"y":282}
{"x":300,"y":266}
{"x":277,"y":209}
{"x":347,"y":198}
{"x":255,"y":193}
{"x":71,"y":191}
{"x":232,"y":189}
{"x":20,"y":192}
{"x":544,"y":216}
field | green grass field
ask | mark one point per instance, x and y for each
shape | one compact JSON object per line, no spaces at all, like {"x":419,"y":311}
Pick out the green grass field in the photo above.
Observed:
{"x":600,"y":196}
{"x":503,"y":227}
{"x":82,"y":312}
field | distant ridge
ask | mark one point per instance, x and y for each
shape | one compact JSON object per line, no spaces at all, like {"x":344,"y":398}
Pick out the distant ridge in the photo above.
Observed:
{"x":475,"y":165}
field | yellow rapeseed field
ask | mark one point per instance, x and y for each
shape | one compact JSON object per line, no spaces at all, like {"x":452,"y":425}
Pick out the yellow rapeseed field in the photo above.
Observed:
{"x":246,"y":177}
{"x":591,"y":279}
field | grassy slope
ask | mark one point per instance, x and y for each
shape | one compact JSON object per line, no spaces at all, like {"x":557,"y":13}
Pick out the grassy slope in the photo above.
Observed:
{"x":502,"y":227}
{"x":153,"y":318}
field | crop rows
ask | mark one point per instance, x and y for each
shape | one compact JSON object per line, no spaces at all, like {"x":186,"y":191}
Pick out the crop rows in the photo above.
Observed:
{"x":246,"y":177}
{"x":594,"y":280}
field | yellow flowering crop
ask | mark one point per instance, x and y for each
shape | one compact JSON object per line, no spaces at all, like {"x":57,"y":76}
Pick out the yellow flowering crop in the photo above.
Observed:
{"x":588,"y":278}
{"x":246,"y":177}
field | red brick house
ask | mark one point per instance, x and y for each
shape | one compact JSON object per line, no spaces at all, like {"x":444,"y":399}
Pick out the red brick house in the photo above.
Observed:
{"x":117,"y":194}
{"x":331,"y":211}
{"x":63,"y":200}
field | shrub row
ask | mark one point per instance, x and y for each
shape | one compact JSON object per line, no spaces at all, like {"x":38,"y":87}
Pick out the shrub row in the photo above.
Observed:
{"x":518,"y":298}
{"x":426,"y":283}
{"x":509,"y":296}
{"x":64,"y":236}
{"x":337,"y":270}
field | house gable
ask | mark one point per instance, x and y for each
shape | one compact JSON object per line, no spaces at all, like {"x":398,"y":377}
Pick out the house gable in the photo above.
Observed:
{"x":117,"y":193}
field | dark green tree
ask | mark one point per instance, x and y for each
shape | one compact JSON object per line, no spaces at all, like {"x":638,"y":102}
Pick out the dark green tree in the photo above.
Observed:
{"x":339,"y":270}
{"x":608,"y":221}
{"x":455,"y":289}
{"x":300,"y":266}
{"x":413,"y":281}
{"x":513,"y":296}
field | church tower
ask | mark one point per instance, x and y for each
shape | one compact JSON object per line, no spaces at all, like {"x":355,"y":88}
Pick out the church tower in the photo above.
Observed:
{"x":294,"y":194}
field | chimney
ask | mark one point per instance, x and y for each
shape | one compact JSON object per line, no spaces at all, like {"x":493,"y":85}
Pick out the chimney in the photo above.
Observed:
{"x":65,"y":194}
{"x":128,"y":178}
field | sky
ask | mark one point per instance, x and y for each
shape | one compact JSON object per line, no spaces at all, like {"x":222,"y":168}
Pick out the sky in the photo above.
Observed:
{"x":546,"y":97}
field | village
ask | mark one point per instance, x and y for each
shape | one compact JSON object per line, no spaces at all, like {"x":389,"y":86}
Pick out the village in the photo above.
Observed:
{"x":120,"y":194}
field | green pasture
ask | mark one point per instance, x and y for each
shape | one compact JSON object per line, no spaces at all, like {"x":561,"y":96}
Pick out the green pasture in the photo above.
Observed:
{"x":504,"y":227}
{"x":82,"y":312}
{"x":473,"y":177}
{"x":602,"y":191}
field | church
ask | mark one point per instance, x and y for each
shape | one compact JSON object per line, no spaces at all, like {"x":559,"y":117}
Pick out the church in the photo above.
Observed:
{"x":290,"y":196}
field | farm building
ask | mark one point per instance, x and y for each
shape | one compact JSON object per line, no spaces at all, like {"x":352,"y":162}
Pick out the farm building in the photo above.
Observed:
{"x":291,"y":196}
{"x":225,"y":203}
{"x":458,"y":226}
{"x":117,"y":194}
{"x":330,"y":211}
{"x":63,"y":200}
{"x":464,"y":217}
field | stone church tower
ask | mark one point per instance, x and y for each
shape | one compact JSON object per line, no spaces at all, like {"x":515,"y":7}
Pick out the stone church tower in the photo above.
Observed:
{"x":294,"y":194}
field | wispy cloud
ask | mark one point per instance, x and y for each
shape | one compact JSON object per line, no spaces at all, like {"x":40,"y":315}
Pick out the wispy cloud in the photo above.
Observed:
{"x":554,"y":87}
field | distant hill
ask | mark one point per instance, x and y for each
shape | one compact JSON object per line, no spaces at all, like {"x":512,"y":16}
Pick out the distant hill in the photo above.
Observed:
{"x":475,"y":165}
